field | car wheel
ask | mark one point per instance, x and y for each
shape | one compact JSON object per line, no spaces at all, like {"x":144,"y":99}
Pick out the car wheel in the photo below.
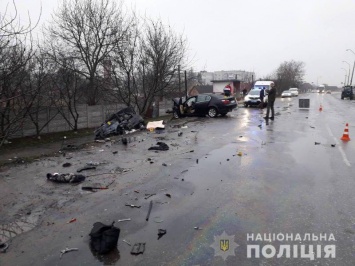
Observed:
{"x":176,"y":115}
{"x":212,"y":112}
{"x":245,"y":105}
{"x":342,"y":98}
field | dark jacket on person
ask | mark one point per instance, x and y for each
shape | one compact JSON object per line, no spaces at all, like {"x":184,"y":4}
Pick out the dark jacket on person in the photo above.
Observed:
{"x":272,"y":94}
{"x":262,"y":94}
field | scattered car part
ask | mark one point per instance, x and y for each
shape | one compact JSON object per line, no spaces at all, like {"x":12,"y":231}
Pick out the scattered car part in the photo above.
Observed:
{"x":129,"y":244}
{"x":149,"y":210}
{"x":161,"y":232}
{"x":138,"y":248}
{"x":66,"y":250}
{"x":147,"y":196}
{"x":124,"y":220}
{"x":161,"y":146}
{"x":86,"y":168}
{"x":93,"y":188}
{"x":133,"y":206}
{"x":158,"y":221}
{"x":156,"y":124}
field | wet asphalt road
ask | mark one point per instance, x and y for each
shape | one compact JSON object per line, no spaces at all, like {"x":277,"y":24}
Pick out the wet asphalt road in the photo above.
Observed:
{"x":235,"y":175}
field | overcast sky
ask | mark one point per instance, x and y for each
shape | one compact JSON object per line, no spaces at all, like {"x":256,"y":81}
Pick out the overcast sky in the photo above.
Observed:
{"x":252,"y":35}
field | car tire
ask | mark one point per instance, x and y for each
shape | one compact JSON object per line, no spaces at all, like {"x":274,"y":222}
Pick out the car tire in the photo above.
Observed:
{"x":175,"y":114}
{"x":246,"y":105}
{"x":342,"y":98}
{"x":212,"y":112}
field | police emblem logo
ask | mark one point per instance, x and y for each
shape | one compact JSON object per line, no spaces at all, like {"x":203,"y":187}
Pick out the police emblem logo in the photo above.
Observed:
{"x":224,"y":244}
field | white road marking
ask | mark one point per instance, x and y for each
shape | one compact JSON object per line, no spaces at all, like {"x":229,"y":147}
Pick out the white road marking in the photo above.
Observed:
{"x":345,"y":159}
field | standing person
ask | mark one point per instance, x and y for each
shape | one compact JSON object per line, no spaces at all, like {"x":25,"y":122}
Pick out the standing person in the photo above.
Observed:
{"x":270,"y":102}
{"x":244,"y":92}
{"x":261,"y":97}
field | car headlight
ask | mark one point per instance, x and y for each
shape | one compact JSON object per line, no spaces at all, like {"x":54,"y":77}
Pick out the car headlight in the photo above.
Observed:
{"x":247,"y":98}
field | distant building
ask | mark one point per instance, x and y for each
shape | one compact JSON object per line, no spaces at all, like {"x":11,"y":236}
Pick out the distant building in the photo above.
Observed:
{"x":206,"y":78}
{"x":198,"y":89}
{"x":233,"y":84}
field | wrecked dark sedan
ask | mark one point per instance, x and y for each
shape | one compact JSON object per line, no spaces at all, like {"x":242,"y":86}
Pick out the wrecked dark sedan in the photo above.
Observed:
{"x":119,"y":123}
{"x":204,"y":104}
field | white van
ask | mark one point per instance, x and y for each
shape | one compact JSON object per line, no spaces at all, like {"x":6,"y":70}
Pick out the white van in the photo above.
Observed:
{"x":253,"y":97}
{"x":263,"y":84}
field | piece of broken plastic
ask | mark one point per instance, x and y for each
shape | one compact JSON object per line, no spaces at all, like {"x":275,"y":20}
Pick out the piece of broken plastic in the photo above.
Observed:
{"x":161,"y":232}
{"x":138,"y":248}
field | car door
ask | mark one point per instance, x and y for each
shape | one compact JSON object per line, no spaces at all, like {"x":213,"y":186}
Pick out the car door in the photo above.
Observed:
{"x":201,"y":105}
{"x":190,"y":105}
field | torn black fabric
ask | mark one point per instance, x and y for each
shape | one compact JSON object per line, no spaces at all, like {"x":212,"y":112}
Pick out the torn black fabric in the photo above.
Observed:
{"x":161,"y":146}
{"x":65,"y":178}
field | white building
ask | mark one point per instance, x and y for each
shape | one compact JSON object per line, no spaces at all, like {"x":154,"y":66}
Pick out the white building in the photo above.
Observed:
{"x":244,"y":76}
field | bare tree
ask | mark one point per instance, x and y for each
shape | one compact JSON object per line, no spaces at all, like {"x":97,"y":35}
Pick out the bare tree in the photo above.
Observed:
{"x":15,"y":54}
{"x":39,"y":97}
{"x":68,"y":88}
{"x":125,"y":65}
{"x":86,"y":31}
{"x":289,"y":74}
{"x":161,"y":52}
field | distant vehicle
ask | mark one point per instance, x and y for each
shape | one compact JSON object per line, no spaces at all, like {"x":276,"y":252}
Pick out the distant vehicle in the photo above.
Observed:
{"x":329,"y":92}
{"x":321,"y":89}
{"x":294,"y":91}
{"x":286,"y":94}
{"x":253,"y":98}
{"x":204,"y":104}
{"x":347,"y":93}
{"x":262,"y":84}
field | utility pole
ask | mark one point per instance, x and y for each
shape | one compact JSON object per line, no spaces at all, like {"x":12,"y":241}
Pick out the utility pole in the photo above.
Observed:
{"x":351,"y":81}
{"x":179,"y":80}
{"x":186,"y":84}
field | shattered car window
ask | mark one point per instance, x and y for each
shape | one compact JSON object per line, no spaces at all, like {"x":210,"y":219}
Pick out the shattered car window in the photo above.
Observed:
{"x":203,"y":98}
